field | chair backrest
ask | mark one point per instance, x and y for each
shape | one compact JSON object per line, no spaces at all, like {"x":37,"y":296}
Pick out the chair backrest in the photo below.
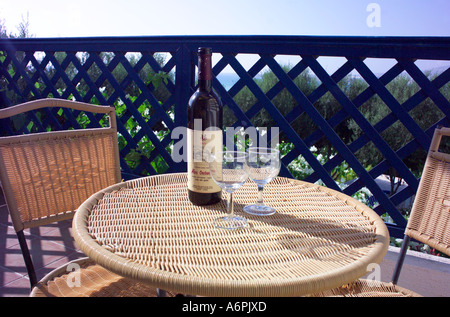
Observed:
{"x":429,"y":221}
{"x":46,"y":176}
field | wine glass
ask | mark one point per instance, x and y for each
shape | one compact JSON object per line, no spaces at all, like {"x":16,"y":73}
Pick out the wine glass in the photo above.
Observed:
{"x":262,"y":164}
{"x":227,"y":169}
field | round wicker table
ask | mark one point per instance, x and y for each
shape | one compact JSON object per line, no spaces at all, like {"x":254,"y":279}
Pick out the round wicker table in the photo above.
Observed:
{"x":147,"y":229}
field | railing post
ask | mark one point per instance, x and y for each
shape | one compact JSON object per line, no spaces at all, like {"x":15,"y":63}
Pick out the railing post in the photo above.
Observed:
{"x":184,"y":82}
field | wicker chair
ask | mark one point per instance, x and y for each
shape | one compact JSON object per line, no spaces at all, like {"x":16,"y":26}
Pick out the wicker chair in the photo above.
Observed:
{"x":428,"y":223}
{"x":46,"y":176}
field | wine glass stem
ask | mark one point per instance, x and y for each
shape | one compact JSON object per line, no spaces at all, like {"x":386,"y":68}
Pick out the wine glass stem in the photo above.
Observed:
{"x":230,"y":204}
{"x":260,"y":201}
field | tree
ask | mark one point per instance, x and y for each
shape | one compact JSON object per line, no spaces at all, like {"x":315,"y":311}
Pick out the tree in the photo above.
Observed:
{"x":397,"y":135}
{"x":23,"y":32}
{"x":23,"y":29}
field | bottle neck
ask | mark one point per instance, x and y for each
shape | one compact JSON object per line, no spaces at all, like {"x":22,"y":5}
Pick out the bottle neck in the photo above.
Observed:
{"x":205,"y":85}
{"x":204,"y":72}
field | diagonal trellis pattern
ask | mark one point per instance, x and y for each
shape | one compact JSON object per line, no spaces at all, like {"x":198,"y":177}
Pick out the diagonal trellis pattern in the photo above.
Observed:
{"x":371,"y":133}
{"x":150,"y":91}
{"x":41,"y":84}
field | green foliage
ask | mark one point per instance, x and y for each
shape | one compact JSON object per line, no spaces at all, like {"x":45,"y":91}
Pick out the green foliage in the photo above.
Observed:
{"x":396,"y":136}
{"x":144,"y":146}
{"x":374,"y":110}
{"x":155,"y":82}
{"x":342,"y":174}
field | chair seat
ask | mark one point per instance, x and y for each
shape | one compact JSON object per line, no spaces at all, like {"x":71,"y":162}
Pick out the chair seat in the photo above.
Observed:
{"x":95,"y":281}
{"x":367,"y":288}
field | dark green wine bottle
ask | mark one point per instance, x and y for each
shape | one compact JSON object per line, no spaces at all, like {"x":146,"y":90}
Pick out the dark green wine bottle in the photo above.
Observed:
{"x":205,"y":117}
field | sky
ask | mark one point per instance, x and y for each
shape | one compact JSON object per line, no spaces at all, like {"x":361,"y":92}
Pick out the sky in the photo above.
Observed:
{"x":86,"y":18}
{"x":82,"y":18}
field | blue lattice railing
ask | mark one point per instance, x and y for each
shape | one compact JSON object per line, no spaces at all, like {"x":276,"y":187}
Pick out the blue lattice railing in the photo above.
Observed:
{"x":150,"y":79}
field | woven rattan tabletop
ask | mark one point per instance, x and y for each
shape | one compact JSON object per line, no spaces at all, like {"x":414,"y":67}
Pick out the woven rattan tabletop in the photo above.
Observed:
{"x":148,"y":230}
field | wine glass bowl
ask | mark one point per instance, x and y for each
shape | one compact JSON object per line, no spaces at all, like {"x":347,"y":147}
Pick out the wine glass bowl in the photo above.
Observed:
{"x":228,"y":171}
{"x":263,"y":165}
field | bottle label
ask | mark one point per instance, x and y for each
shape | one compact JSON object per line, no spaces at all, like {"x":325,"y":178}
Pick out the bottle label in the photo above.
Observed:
{"x":200,"y":146}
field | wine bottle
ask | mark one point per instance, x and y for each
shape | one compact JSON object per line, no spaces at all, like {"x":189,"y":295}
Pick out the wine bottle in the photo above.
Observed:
{"x":204,"y":134}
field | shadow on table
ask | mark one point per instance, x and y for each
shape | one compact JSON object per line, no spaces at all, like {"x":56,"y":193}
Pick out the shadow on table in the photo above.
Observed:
{"x":308,"y":236}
